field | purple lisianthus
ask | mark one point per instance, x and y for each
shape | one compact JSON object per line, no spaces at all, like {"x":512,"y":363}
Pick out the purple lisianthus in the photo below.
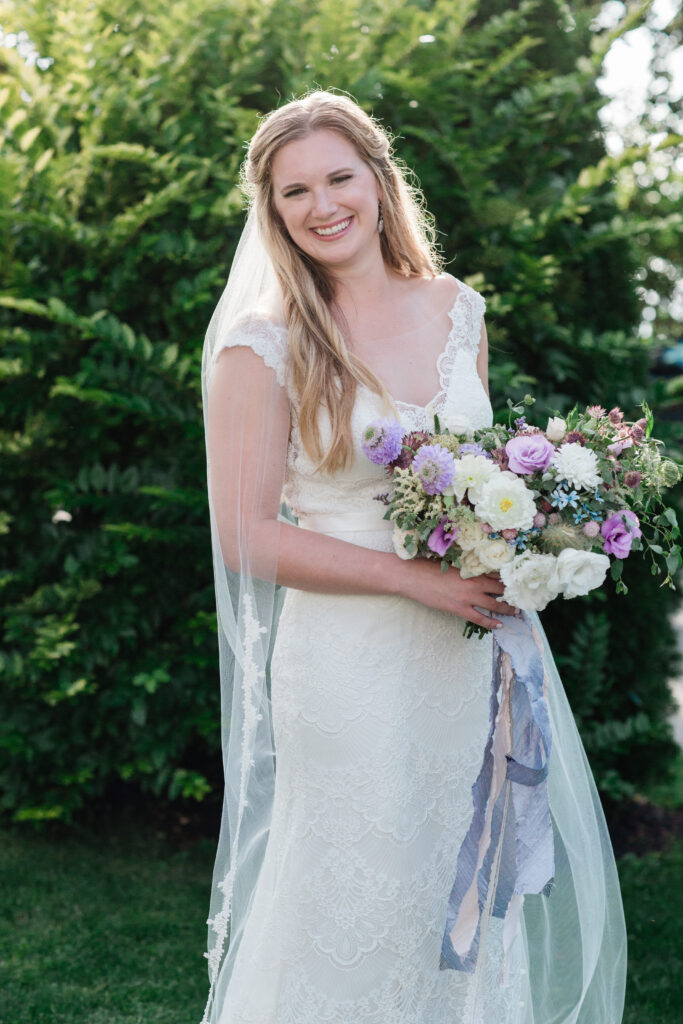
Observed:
{"x":529,"y":453}
{"x":441,"y":538}
{"x":382,"y":441}
{"x":474,"y":449}
{"x":435,"y":466}
{"x":619,"y":532}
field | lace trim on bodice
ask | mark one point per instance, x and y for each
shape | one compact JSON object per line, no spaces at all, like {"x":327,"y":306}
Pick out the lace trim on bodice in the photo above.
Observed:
{"x":269,"y":341}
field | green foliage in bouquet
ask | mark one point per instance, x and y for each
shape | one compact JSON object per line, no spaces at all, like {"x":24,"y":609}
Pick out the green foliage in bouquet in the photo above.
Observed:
{"x":123,"y":132}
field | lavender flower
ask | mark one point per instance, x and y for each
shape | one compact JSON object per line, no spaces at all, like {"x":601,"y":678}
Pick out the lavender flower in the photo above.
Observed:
{"x":435,"y":466}
{"x":474,"y":449}
{"x":382,"y":441}
{"x":529,"y":453}
{"x":619,"y":532}
{"x":441,"y":538}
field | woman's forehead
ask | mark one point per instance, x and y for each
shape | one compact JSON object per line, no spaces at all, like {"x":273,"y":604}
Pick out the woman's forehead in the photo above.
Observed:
{"x":316,"y":155}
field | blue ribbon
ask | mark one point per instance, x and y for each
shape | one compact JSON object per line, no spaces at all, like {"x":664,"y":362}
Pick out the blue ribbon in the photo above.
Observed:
{"x":524,"y":839}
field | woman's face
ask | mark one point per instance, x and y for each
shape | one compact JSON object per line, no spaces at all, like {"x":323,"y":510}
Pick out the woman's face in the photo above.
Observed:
{"x":327,"y":198}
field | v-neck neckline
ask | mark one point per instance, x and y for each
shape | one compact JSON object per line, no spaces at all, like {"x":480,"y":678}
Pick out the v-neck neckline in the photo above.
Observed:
{"x":444,"y":351}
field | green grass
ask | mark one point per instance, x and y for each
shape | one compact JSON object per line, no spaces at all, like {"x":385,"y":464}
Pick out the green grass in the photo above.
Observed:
{"x":107,"y":930}
{"x":651,"y":889}
{"x":111,"y":930}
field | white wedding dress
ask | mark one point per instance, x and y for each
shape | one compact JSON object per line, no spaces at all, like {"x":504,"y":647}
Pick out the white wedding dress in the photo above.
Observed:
{"x":380,"y":713}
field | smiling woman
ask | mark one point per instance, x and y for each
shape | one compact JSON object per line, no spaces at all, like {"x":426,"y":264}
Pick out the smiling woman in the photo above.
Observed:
{"x":355,"y":711}
{"x":339,"y":206}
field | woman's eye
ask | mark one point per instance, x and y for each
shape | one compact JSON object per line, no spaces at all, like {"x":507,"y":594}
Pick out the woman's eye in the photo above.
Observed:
{"x":294,"y":192}
{"x":342,"y":177}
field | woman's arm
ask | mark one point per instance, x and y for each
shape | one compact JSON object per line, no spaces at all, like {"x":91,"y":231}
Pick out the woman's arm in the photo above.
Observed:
{"x":246,"y":486}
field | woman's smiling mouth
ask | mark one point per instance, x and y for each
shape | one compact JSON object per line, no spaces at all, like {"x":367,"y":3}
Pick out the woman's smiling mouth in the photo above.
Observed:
{"x":334,"y":230}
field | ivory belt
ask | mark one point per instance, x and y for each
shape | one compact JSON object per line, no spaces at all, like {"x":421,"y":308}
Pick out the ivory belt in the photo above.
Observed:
{"x":343,"y":522}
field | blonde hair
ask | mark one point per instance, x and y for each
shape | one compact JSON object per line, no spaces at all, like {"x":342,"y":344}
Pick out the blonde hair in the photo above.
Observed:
{"x":324,"y":371}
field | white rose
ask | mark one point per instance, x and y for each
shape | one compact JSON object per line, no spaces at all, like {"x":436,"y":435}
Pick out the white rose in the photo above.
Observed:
{"x":530,"y":581}
{"x":506,"y":503}
{"x":577,"y":465}
{"x":577,"y":572}
{"x":556,"y":428}
{"x":458,"y":424}
{"x":470,"y":565}
{"x":494,"y":553}
{"x":399,"y":538}
{"x":469,"y":535}
{"x":471,"y":473}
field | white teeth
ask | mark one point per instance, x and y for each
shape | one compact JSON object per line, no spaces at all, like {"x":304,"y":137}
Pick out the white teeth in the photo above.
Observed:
{"x":333,"y":230}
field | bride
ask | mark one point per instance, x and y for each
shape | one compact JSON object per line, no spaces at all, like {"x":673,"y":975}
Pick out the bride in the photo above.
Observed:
{"x":355,"y":713}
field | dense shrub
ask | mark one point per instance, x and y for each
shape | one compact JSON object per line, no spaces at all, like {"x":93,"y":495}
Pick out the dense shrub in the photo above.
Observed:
{"x":119,"y":212}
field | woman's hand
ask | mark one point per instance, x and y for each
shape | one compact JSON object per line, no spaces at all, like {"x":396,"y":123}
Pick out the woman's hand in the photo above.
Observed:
{"x":424,"y":581}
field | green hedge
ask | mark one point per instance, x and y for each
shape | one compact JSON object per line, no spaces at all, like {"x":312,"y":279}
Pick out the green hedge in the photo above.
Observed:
{"x":119,"y":213}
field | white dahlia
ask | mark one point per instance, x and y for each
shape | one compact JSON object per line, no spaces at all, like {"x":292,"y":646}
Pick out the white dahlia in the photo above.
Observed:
{"x":530,"y":581}
{"x":506,"y":503}
{"x":471,"y":473}
{"x":577,"y":465}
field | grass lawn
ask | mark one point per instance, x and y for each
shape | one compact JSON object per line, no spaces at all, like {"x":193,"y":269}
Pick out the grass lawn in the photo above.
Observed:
{"x":102,"y":930}
{"x":111,"y":930}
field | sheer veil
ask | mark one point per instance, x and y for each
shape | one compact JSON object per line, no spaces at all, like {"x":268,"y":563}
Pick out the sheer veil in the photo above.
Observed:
{"x":246,"y":456}
{"x":572,"y":941}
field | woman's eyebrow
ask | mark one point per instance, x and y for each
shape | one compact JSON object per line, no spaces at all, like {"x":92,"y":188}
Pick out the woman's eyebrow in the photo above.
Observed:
{"x":300,"y":184}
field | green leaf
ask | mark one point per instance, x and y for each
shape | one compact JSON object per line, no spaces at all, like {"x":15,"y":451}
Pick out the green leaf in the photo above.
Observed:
{"x":615,"y":568}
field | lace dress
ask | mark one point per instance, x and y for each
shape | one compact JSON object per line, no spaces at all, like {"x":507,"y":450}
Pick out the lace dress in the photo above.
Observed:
{"x":380,"y":712}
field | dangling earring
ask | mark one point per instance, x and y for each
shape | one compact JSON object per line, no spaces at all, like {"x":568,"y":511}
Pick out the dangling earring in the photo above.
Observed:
{"x":380,"y":219}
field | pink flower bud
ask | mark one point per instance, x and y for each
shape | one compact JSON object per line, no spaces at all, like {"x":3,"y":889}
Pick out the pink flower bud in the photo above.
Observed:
{"x":632,"y":478}
{"x":539,"y":519}
{"x":509,"y":534}
{"x":485,"y":528}
{"x":615,"y":416}
{"x":553,"y":518}
{"x":591,"y":529}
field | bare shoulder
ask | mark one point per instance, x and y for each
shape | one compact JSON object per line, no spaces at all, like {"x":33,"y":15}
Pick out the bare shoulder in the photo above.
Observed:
{"x":430,"y":293}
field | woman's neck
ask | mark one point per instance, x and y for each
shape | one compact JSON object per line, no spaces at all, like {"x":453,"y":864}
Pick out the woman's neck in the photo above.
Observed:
{"x":363,"y":291}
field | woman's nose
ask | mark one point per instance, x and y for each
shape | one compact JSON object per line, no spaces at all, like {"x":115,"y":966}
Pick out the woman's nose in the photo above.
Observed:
{"x":323,"y":203}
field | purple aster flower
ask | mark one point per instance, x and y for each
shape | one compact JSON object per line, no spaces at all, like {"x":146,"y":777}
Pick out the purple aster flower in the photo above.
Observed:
{"x":619,"y":531}
{"x":382,"y":441}
{"x":474,"y":449}
{"x":435,"y":466}
{"x":441,"y":538}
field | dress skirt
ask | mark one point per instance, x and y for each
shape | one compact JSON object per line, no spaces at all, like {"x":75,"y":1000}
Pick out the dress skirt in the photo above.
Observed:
{"x":380,"y":714}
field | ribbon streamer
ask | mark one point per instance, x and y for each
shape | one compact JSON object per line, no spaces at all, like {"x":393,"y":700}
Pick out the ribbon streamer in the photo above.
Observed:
{"x":508,"y":851}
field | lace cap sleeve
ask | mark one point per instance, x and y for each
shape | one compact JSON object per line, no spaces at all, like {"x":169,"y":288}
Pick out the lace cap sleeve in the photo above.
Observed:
{"x":466,"y":315}
{"x":266,"y":338}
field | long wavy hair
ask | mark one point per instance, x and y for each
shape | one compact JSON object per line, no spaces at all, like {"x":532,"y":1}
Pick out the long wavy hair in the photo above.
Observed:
{"x":324,"y":371}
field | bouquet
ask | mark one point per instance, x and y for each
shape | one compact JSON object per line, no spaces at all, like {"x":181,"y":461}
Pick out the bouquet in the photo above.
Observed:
{"x":552,"y":510}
